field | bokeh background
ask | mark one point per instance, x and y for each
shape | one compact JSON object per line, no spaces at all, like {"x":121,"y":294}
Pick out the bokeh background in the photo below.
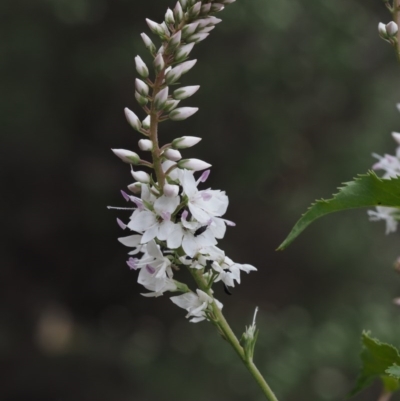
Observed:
{"x":295,"y":96}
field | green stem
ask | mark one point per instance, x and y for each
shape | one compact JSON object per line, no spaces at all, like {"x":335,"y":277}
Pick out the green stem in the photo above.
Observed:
{"x":396,"y":19}
{"x":229,"y":335}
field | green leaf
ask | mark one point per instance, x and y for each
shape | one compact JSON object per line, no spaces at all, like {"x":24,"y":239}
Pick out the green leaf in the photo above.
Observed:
{"x":366,"y":190}
{"x":394,"y":371}
{"x":377,"y":358}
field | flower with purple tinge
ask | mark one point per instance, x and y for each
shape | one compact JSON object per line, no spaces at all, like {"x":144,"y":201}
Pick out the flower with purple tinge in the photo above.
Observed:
{"x":133,"y":241}
{"x":195,"y":304}
{"x":204,"y":204}
{"x":155,"y":271}
{"x":389,"y":214}
{"x":155,"y":223}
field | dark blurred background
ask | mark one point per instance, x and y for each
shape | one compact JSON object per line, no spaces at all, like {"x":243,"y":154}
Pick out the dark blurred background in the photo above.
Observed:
{"x":295,"y":96}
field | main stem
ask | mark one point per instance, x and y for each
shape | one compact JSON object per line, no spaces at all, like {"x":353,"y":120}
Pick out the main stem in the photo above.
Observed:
{"x":396,"y":19}
{"x":229,"y":335}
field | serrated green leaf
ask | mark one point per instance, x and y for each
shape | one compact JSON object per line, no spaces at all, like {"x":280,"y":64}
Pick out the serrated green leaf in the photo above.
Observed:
{"x":366,"y":190}
{"x":377,"y":358}
{"x":394,"y":371}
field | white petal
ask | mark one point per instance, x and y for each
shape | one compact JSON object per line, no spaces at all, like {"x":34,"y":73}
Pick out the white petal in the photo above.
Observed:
{"x":131,"y":241}
{"x":174,"y":239}
{"x":166,"y":204}
{"x":142,"y":221}
{"x":150,"y":233}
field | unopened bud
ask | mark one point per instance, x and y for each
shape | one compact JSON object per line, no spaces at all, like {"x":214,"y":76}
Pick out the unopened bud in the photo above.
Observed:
{"x":186,"y":66}
{"x":173,"y":75}
{"x":159,"y":63}
{"x":142,"y":100}
{"x":205,"y":9}
{"x":185,"y":92}
{"x":182,"y":113}
{"x":392,"y":28}
{"x":172,"y":154}
{"x":382,"y":30}
{"x":170,"y":105}
{"x":127,"y":156}
{"x":155,"y":28}
{"x":195,"y":10}
{"x":135,"y":188}
{"x":171,"y":190}
{"x":193,"y":164}
{"x":227,"y":1}
{"x":148,"y":43}
{"x":145,"y":145}
{"x":132,"y":119}
{"x":169,"y":17}
{"x":197,"y":37}
{"x":185,"y":142}
{"x":184,"y":3}
{"x":189,"y":29}
{"x":141,"y":87}
{"x":167,"y":33}
{"x":146,"y":122}
{"x":161,"y":98}
{"x":178,"y":12}
{"x":217,"y":7}
{"x":174,"y":42}
{"x":206,"y":29}
{"x":141,"y":176}
{"x":141,"y":67}
{"x":396,"y":137}
{"x":183,"y":52}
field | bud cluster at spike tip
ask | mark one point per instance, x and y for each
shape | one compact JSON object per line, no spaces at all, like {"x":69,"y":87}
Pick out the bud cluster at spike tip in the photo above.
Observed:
{"x":174,"y":224}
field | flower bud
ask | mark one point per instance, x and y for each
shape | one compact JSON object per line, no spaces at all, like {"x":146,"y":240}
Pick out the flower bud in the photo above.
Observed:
{"x":167,"y":33}
{"x":197,"y":37}
{"x":178,"y":12}
{"x":127,"y":156}
{"x":170,"y":105}
{"x":141,"y":99}
{"x":205,"y":9}
{"x":161,"y":98}
{"x":132,"y":119}
{"x":209,"y":21}
{"x":141,"y":67}
{"x":169,"y":17}
{"x":159,"y":63}
{"x":155,"y":28}
{"x":172,"y":154}
{"x":216,"y":7}
{"x":185,"y":92}
{"x":396,"y":137}
{"x":174,"y":42}
{"x":182,"y":113}
{"x":185,"y":142}
{"x":148,"y":43}
{"x":171,"y":190}
{"x":146,"y":122}
{"x":135,"y":188}
{"x":173,"y":75}
{"x":206,"y":29}
{"x":382,"y":30}
{"x":183,"y":52}
{"x":141,"y":176}
{"x":141,"y":87}
{"x":194,"y":11}
{"x":227,"y":1}
{"x":145,"y":145}
{"x":189,"y":29}
{"x":186,"y":66}
{"x":392,"y":28}
{"x":184,"y":4}
{"x":193,"y":164}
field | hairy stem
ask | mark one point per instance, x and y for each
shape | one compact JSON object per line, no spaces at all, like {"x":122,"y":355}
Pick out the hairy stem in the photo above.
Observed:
{"x":229,"y":335}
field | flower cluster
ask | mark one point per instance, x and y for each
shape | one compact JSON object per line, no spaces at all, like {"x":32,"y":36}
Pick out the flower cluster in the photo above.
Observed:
{"x":175,"y":224}
{"x":391,"y":166}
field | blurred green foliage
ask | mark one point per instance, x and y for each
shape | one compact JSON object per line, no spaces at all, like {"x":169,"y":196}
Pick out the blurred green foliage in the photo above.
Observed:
{"x":294,"y":98}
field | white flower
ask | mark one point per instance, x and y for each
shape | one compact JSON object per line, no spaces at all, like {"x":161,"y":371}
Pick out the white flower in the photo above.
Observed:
{"x":155,"y":271}
{"x":127,"y":156}
{"x":196,"y":305}
{"x":387,"y":214}
{"x":390,"y":164}
{"x":155,"y":223}
{"x":203,"y":204}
